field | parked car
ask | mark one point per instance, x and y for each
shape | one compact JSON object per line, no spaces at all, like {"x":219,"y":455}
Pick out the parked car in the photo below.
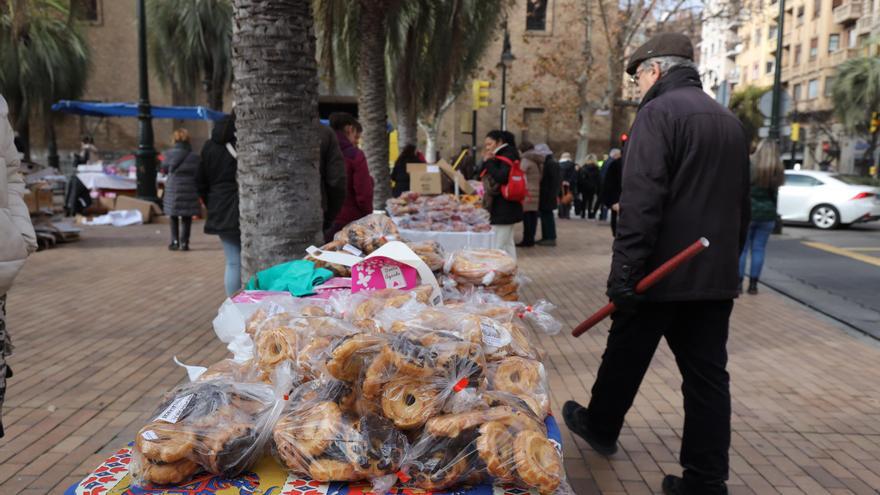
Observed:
{"x":826,"y":200}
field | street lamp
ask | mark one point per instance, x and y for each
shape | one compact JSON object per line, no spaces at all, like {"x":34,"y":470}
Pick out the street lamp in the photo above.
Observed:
{"x":775,"y":117}
{"x":507,"y":59}
{"x":146,"y":154}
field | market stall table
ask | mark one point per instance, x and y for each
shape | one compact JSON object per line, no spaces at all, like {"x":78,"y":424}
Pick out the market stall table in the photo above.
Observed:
{"x":451,"y":241}
{"x":112,"y":477}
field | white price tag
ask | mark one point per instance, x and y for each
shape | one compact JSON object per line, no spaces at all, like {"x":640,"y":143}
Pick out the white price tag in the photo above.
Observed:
{"x":352,"y":250}
{"x":433,"y":169}
{"x":150,"y":435}
{"x":494,"y":335}
{"x":393,"y":277}
{"x":172,"y":413}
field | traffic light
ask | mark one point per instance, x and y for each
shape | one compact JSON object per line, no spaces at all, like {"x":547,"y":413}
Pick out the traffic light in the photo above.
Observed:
{"x":874,"y":123}
{"x":624,"y":137}
{"x":480,"y":94}
{"x":795,"y":132}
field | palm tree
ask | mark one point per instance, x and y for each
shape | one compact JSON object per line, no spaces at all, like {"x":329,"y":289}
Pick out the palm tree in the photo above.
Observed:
{"x":359,"y":30}
{"x":190,"y":42}
{"x":43,"y":58}
{"x":856,"y":97}
{"x":744,"y":104}
{"x":276,"y":96}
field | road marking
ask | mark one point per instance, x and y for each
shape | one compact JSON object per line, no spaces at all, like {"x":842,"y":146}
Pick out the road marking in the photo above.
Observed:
{"x":866,"y":249}
{"x":871,"y":260}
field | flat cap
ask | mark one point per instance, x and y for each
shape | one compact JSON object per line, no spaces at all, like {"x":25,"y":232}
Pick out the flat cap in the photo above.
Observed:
{"x":661,"y":45}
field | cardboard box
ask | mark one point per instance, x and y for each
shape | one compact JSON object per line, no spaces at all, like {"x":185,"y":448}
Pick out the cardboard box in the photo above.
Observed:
{"x":464,"y":186}
{"x":129,"y":203}
{"x":106,"y":202}
{"x":30,"y":199}
{"x":424,"y":178}
{"x":45,"y":199}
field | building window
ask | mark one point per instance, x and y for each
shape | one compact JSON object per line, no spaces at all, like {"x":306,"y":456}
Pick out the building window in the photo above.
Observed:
{"x":797,"y":54}
{"x":817,"y":8}
{"x":755,"y":71}
{"x":833,"y":43}
{"x":86,"y":10}
{"x":851,"y":37}
{"x":814,"y":48}
{"x":768,"y":67}
{"x":534,"y":129}
{"x":536,"y":15}
{"x":796,"y":92}
{"x":800,"y":15}
{"x":771,"y":33}
{"x":813,"y":89}
{"x":836,"y":3}
{"x":829,"y":85}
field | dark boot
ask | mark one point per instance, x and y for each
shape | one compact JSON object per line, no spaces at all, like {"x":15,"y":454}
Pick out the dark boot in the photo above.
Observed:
{"x":753,"y":286}
{"x":175,"y":238}
{"x":575,"y":416}
{"x":675,"y":485}
{"x":185,"y":227}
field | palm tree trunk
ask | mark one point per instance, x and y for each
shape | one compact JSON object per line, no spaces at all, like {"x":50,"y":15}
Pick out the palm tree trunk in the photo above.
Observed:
{"x":407,"y":124}
{"x":372,"y":106}
{"x":51,"y":142}
{"x":431,"y":132}
{"x":276,"y":94}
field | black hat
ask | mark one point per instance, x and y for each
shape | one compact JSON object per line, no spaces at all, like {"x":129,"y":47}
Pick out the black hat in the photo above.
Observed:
{"x":662,"y":45}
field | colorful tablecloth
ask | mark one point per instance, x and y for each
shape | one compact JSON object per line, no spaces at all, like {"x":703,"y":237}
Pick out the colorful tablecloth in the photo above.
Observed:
{"x":266,"y":478}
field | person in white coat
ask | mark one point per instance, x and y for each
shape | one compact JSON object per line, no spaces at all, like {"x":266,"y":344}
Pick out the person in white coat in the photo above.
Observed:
{"x":17,"y":238}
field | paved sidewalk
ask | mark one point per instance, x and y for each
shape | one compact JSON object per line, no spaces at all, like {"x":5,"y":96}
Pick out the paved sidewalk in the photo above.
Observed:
{"x":96,"y":324}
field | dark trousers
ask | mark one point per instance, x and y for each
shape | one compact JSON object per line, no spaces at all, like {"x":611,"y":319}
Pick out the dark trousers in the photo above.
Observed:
{"x":530,"y":227}
{"x":613,"y":222}
{"x":585,"y":203}
{"x":548,"y":225}
{"x":180,"y":229}
{"x":697,"y":335}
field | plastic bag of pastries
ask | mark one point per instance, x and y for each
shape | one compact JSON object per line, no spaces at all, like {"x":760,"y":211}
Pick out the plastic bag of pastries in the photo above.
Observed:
{"x":232,"y":370}
{"x":431,"y":252}
{"x":417,"y":371}
{"x":365,"y":305}
{"x":272,"y":313}
{"x":481,"y":267}
{"x":368,"y":233}
{"x":503,"y":442}
{"x":524,"y":378}
{"x":322,"y":437}
{"x":216,"y":425}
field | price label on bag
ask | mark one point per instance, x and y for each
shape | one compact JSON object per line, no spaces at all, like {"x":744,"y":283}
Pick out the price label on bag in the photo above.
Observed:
{"x":150,"y":435}
{"x":494,"y":335}
{"x":393,"y":277}
{"x":172,"y":413}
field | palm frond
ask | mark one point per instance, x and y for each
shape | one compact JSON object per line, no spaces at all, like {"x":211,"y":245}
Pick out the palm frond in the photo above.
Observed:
{"x":856,"y":91}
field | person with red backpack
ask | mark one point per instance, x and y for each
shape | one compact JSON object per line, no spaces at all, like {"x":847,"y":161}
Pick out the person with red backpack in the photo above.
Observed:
{"x":504,"y":186}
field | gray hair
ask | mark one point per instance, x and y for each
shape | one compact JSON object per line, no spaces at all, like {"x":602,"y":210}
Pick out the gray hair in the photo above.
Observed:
{"x":614,"y":153}
{"x":668,"y":62}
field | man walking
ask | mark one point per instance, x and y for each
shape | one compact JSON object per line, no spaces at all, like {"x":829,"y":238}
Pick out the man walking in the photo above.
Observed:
{"x":611,"y":185}
{"x":686,"y":175}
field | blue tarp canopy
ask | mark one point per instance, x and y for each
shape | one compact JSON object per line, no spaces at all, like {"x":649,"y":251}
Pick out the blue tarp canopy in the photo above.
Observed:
{"x":131,"y":110}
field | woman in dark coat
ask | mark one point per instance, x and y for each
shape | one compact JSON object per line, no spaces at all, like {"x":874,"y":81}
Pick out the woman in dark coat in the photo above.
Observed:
{"x":181,"y":199}
{"x":503,"y":214}
{"x":547,"y":198}
{"x":218,"y":189}
{"x":399,"y":175}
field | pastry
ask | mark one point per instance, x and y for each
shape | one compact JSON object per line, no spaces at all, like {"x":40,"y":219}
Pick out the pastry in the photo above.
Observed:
{"x":346,"y":359}
{"x":409,"y":402}
{"x":537,"y":461}
{"x":169,"y":473}
{"x":164,"y":442}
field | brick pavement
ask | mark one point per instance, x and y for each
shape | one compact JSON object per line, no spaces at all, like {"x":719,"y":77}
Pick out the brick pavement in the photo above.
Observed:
{"x":96,"y":324}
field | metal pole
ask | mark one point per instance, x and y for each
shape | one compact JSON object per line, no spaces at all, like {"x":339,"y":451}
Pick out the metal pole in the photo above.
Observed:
{"x":775,"y":117}
{"x":146,"y":153}
{"x":503,"y":97}
{"x":474,"y":135}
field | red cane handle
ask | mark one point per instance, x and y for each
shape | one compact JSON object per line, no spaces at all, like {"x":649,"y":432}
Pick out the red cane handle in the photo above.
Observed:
{"x":646,"y":283}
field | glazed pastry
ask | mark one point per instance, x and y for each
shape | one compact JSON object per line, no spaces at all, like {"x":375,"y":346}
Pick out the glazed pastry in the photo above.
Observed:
{"x":525,"y":379}
{"x":346,"y":359}
{"x":164,"y":442}
{"x":409,"y":402}
{"x":538,"y":463}
{"x":495,"y":446}
{"x":169,"y":473}
{"x":274,"y":345}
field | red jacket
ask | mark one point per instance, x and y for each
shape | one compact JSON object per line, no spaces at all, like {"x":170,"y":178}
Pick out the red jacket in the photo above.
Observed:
{"x":358,"y":183}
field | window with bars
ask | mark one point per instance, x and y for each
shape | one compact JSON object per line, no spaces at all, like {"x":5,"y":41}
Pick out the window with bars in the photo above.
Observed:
{"x":833,"y":43}
{"x":536,"y":15}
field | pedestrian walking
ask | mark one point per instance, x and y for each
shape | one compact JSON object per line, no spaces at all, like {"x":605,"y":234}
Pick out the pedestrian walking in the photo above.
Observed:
{"x":358,"y":201}
{"x":17,"y":237}
{"x":568,"y":186}
{"x":181,"y":198}
{"x":218,"y":190}
{"x":332,"y":176}
{"x":768,"y":173}
{"x":499,"y":151}
{"x":686,"y":175}
{"x":588,"y":186}
{"x":611,"y":185}
{"x":409,"y":154}
{"x":532,"y":164}
{"x":548,"y":196}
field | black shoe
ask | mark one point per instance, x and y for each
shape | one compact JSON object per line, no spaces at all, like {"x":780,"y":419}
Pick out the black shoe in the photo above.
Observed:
{"x":184,"y":246}
{"x":674,"y":485}
{"x":174,"y":246}
{"x":546,"y":242}
{"x":753,"y":286}
{"x":523,"y":244}
{"x":575,"y":416}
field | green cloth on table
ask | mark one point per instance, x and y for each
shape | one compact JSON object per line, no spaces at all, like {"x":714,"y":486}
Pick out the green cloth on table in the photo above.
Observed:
{"x":298,"y":277}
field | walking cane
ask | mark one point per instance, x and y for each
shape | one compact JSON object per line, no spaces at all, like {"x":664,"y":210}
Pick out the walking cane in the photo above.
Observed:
{"x":646,"y":283}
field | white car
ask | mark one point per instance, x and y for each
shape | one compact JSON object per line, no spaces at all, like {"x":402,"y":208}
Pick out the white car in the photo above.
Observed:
{"x":826,"y":200}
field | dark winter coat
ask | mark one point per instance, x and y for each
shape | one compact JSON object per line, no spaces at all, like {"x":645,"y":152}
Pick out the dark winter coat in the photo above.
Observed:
{"x":764,"y":203}
{"x":181,"y":197}
{"x":568,"y":173}
{"x":550,"y":185}
{"x":358,"y":183}
{"x":685,"y":176}
{"x":613,"y":170}
{"x":588,"y":179}
{"x":332,"y":175}
{"x":496,"y":172}
{"x":216,"y":180}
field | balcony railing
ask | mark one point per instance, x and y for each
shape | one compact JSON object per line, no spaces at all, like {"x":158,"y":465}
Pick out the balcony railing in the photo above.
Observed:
{"x":864,"y":24}
{"x":848,"y":12}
